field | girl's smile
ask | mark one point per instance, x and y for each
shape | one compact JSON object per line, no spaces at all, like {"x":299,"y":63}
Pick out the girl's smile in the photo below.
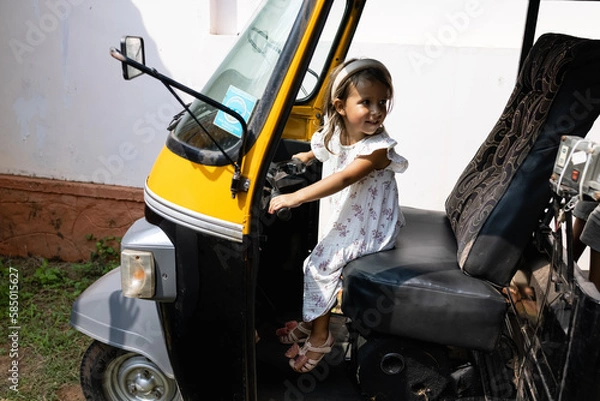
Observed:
{"x":364,"y":110}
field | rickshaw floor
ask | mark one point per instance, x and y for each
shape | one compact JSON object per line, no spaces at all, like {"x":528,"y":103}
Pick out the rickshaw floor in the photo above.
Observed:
{"x":331,"y":380}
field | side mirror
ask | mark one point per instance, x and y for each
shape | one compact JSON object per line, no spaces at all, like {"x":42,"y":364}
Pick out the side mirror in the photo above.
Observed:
{"x":132,"y":47}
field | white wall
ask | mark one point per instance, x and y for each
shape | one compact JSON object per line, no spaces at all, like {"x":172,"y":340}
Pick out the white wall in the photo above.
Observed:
{"x":66,"y":113}
{"x":454,"y":63}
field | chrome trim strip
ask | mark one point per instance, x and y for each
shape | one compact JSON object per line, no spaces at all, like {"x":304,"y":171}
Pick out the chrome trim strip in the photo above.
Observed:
{"x":194,"y":220}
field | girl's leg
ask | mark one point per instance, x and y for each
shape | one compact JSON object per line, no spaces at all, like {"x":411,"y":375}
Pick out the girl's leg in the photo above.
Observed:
{"x":319,"y":338}
{"x":595,"y":268}
{"x":578,"y":246}
{"x":590,"y":236}
{"x":320,"y":329}
{"x":294,"y":332}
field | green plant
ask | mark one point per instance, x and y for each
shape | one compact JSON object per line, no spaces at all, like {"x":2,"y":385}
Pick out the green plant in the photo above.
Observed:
{"x":49,"y":276}
{"x":107,"y":251}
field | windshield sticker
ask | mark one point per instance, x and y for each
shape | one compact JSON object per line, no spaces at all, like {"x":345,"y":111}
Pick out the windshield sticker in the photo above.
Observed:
{"x":239,"y":101}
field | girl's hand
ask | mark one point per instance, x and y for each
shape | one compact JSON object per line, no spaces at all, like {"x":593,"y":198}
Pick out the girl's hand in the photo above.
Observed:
{"x":281,"y":201}
{"x":304,"y":157}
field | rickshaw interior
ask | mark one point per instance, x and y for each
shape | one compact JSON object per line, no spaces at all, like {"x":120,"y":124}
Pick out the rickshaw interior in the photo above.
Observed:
{"x":432,"y":318}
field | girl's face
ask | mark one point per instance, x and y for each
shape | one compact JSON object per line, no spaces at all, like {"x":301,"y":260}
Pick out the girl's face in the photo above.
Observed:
{"x":364,"y":109}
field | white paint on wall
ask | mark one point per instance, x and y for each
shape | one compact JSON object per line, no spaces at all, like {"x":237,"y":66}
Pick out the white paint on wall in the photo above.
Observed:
{"x":66,"y":112}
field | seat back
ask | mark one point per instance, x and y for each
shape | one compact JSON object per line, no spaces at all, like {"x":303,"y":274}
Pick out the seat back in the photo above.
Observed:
{"x":500,"y":196}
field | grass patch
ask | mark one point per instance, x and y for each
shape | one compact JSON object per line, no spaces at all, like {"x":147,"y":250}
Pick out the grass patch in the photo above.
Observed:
{"x":49,"y":350}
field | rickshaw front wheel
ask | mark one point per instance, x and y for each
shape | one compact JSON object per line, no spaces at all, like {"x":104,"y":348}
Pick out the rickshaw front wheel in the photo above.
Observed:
{"x":112,"y":374}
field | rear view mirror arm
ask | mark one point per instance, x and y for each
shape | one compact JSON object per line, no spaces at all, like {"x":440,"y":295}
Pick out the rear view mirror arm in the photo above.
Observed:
{"x":115,"y":53}
{"x":237,"y":181}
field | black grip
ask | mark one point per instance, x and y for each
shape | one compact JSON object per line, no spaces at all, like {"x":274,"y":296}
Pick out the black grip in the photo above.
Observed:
{"x":284,"y":213}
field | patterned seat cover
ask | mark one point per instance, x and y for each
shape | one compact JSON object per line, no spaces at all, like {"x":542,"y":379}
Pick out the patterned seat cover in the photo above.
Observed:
{"x":497,"y":201}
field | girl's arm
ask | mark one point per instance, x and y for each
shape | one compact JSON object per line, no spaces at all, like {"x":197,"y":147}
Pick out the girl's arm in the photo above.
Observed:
{"x":305,"y":157}
{"x":355,"y":171}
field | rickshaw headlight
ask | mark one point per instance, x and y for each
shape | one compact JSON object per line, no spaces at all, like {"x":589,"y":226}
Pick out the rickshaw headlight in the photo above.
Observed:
{"x":137,"y":274}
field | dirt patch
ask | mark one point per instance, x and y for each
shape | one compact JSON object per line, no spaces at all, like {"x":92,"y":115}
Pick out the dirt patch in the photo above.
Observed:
{"x":70,"y":392}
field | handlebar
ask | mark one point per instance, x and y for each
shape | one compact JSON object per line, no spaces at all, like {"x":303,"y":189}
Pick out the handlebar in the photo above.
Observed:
{"x":284,"y":213}
{"x":278,"y":172}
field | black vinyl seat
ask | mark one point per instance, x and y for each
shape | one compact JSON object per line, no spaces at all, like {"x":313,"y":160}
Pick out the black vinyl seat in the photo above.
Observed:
{"x":442,"y":283}
{"x":417,"y":290}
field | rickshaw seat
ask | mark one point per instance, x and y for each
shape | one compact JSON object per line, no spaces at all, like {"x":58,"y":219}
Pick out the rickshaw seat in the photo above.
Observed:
{"x":442,"y":283}
{"x":418,"y":291}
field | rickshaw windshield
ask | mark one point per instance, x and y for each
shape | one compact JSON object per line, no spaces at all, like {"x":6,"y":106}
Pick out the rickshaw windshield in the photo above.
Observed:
{"x":239,"y":83}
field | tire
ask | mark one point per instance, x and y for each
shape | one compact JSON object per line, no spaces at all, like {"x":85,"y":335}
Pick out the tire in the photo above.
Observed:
{"x":112,"y":374}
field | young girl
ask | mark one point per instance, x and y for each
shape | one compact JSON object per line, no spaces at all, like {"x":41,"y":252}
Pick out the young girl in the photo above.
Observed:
{"x":365,"y":215}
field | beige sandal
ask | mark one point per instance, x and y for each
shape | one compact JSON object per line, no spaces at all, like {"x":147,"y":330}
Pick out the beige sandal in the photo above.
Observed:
{"x":301,"y":363}
{"x":287,"y":336}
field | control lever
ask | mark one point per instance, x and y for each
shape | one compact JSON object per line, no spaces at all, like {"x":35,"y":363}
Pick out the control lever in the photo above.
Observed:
{"x":279,"y":171}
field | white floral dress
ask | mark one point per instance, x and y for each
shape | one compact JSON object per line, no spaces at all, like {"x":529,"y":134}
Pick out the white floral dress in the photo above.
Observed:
{"x":365,"y":218}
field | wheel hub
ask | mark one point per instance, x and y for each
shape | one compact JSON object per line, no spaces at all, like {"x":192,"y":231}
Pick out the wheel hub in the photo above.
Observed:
{"x":133,"y":377}
{"x":141,"y":381}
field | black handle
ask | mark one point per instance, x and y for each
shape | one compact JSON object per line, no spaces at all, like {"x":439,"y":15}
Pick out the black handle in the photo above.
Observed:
{"x":284,"y":213}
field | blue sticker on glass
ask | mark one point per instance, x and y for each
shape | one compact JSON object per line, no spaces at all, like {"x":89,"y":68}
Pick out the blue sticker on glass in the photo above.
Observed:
{"x":239,"y":101}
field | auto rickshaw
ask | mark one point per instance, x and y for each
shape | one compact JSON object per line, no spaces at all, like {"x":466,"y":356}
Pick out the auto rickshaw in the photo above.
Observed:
{"x":482,"y":301}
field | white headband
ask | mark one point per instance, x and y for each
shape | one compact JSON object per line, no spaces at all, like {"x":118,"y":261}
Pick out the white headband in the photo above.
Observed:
{"x":352,"y":68}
